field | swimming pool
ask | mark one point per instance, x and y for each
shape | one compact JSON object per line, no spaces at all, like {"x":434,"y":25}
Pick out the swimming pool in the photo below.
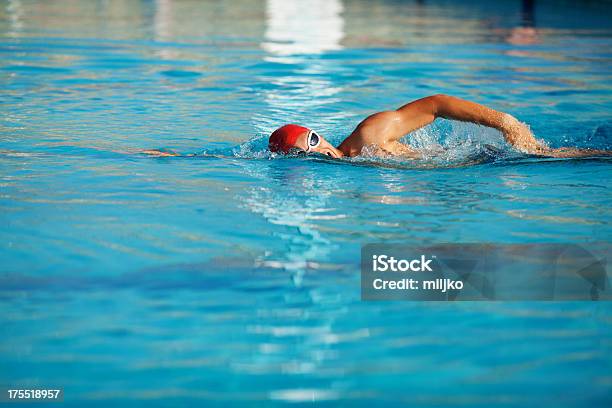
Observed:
{"x":233,"y":276}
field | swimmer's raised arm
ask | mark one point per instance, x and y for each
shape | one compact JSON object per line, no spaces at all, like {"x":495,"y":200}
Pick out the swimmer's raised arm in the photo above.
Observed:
{"x":386,"y":128}
{"x":515,"y":132}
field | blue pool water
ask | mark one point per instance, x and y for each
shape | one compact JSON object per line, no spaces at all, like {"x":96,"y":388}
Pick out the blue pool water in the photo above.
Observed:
{"x":232,"y":277}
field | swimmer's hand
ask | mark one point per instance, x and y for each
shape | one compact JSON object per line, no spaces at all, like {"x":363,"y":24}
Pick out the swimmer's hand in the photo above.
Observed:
{"x":518,"y":135}
{"x":160,"y":153}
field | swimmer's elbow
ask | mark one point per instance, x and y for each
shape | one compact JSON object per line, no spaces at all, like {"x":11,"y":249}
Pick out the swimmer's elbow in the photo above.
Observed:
{"x":438,"y":103}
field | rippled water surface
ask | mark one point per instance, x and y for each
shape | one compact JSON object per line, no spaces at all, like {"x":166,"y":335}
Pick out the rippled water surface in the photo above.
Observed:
{"x":233,"y":275}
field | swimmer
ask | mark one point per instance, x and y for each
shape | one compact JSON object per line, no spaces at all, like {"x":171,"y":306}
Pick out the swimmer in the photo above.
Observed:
{"x":382,"y":131}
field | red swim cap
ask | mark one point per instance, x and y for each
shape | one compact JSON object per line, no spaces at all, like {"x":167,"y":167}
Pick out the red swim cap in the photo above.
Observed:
{"x":284,"y":138}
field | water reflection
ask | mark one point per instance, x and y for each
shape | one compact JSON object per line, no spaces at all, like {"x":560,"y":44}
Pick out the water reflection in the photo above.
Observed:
{"x":299,"y":27}
{"x":526,"y":33}
{"x":528,"y":13}
{"x":163,"y":19}
{"x":14,"y":10}
{"x":296,"y":34}
{"x":298,"y":198}
{"x":162,"y":24}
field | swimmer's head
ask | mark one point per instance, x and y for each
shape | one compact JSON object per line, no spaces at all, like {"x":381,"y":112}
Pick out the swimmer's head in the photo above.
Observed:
{"x":301,"y":139}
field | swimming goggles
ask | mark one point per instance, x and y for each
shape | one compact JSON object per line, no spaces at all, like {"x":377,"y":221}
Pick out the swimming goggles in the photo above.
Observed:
{"x":313,"y":140}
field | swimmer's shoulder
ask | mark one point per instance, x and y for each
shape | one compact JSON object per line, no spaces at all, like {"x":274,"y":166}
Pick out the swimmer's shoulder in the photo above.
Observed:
{"x":356,"y":144}
{"x":351,"y":146}
{"x":377,"y":129}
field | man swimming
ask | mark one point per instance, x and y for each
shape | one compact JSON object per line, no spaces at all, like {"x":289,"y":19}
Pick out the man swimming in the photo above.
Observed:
{"x":382,"y":131}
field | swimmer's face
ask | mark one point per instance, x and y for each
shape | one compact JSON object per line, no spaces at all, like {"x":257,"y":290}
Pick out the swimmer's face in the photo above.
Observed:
{"x":312,"y":142}
{"x":300,"y":139}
